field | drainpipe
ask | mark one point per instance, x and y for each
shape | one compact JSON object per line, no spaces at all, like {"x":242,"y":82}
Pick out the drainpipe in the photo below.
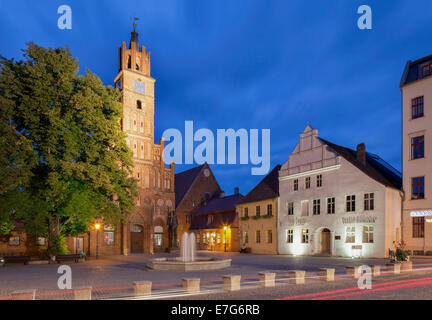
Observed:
{"x":277,"y":225}
{"x":402,"y":193}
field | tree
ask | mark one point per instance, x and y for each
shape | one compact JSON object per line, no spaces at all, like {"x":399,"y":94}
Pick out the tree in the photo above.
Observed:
{"x":73,"y":163}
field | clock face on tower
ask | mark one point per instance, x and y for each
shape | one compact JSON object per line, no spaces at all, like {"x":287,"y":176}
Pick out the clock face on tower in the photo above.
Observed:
{"x":206,"y":173}
{"x":139,"y":87}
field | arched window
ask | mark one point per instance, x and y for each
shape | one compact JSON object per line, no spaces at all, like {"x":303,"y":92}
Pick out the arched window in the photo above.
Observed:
{"x":139,"y":105}
{"x":137,"y":66}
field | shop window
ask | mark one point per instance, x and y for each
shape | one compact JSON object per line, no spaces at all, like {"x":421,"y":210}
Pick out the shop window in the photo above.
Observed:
{"x":109,"y":238}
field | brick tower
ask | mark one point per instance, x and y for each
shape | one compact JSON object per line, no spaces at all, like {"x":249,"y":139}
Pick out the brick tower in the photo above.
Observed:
{"x":146,"y":229}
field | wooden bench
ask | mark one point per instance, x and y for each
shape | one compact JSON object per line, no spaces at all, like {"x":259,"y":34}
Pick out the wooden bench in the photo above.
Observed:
{"x":15,"y":259}
{"x":68,"y":257}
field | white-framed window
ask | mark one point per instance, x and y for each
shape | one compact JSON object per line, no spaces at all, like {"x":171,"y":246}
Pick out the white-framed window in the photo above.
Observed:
{"x":290,"y":236}
{"x":290,"y":208}
{"x":368,"y":234}
{"x":350,"y":235}
{"x":319,"y":180}
{"x":269,"y":210}
{"x":369,"y":202}
{"x":307,"y":182}
{"x":316,"y":207}
{"x":331,"y":205}
{"x":350,"y":203}
{"x":305,"y":236}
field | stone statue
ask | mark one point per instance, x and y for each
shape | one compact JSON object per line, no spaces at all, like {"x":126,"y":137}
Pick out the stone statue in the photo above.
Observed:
{"x":173,"y":224}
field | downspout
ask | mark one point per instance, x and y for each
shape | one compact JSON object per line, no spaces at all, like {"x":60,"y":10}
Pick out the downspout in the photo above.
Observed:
{"x":402,"y":193}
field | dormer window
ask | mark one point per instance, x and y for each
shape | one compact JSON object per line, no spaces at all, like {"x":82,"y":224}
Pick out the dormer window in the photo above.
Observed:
{"x":139,"y":105}
{"x":427,"y":70}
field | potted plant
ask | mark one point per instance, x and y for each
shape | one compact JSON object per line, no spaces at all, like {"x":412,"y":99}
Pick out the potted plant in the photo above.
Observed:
{"x":402,"y":256}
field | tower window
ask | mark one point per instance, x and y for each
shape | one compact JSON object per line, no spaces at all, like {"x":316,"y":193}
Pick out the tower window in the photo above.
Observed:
{"x":137,"y":66}
{"x":129,"y":62}
{"x":139,"y":105}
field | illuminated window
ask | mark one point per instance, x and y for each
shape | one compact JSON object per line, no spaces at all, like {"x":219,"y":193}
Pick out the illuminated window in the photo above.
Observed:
{"x":218,"y":238}
{"x":40,"y":241}
{"x":350,"y":235}
{"x":368,"y":234}
{"x":418,"y":187}
{"x":108,"y":238}
{"x":290,"y":236}
{"x":305,"y":236}
{"x":245,"y":237}
{"x":350,"y":203}
{"x":14,"y":241}
{"x":369,"y":201}
{"x":418,"y":227}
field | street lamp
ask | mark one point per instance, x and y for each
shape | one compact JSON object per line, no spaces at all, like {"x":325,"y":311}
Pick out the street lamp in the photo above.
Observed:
{"x":97,"y":227}
{"x":225,"y":237}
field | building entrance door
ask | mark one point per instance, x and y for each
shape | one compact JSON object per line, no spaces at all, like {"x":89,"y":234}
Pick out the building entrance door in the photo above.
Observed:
{"x":78,"y":245}
{"x":137,"y":239}
{"x":325,"y":241}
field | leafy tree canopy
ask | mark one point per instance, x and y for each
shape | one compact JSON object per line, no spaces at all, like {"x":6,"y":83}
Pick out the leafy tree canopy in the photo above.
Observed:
{"x":64,"y":158}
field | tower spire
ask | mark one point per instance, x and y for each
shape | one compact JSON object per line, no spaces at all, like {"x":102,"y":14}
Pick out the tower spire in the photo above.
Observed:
{"x":134,"y":34}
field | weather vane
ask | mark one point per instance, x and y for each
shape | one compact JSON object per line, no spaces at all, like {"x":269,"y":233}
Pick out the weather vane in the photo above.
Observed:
{"x":134,"y":24}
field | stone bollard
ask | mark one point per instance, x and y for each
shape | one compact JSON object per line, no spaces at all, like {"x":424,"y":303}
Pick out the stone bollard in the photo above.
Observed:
{"x":326,"y":274}
{"x":267,"y":279}
{"x":353,"y":271}
{"x":406,"y":266}
{"x":376,"y":270}
{"x":231,"y":282}
{"x":296,"y":276}
{"x":191,"y":285}
{"x":142,"y":288}
{"x":82,"y":293}
{"x":24,"y":294}
{"x":393,"y":268}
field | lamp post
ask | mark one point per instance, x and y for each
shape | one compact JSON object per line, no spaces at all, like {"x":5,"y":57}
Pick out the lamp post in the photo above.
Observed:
{"x":225,"y":237}
{"x":97,"y":227}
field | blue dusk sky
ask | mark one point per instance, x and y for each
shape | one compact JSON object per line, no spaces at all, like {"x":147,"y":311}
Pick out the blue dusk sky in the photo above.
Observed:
{"x":278,"y":65}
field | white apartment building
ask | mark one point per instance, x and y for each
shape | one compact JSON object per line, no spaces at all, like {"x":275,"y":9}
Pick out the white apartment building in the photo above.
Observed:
{"x":337,"y":201}
{"x":416,"y":89}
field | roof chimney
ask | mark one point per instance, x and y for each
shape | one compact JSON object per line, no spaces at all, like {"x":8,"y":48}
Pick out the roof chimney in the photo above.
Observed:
{"x":222,"y":194}
{"x":361,"y":153}
{"x":236,"y":190}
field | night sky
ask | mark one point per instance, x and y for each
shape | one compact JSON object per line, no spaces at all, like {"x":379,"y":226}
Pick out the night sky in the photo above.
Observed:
{"x":249,"y":64}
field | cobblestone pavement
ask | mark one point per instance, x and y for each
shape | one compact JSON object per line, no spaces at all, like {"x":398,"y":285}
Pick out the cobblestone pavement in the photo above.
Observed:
{"x":112,"y":277}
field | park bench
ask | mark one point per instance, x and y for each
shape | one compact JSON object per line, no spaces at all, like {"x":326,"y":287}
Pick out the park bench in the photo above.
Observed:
{"x":15,"y":259}
{"x":68,"y":257}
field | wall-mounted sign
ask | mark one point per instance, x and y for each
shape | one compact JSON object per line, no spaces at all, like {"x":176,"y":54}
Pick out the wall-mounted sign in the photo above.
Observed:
{"x":359,"y":219}
{"x":139,"y":87}
{"x":421,"y":213}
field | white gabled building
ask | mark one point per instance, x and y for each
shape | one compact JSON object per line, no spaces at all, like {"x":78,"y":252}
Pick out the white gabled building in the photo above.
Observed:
{"x":337,"y":201}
